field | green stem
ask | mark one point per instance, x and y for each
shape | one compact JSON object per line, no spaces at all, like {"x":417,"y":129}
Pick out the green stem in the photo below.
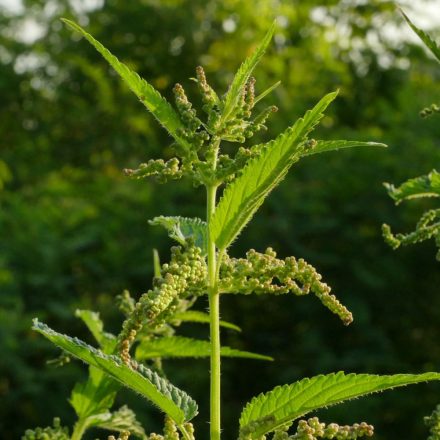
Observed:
{"x":80,"y":427}
{"x":214,"y":313}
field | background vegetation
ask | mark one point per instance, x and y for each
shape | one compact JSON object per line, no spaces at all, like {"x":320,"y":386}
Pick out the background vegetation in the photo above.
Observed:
{"x":74,"y":232}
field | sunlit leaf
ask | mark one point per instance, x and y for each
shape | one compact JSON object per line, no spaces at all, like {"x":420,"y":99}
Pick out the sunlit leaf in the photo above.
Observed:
{"x":423,"y":186}
{"x":149,"y":96}
{"x":429,"y":42}
{"x":243,"y":74}
{"x":326,"y":146}
{"x":182,"y":347}
{"x":174,"y":402}
{"x":271,"y":410}
{"x":261,"y":175}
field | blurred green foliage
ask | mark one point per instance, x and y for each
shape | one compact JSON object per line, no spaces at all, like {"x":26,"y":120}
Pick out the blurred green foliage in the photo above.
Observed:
{"x":74,"y":232}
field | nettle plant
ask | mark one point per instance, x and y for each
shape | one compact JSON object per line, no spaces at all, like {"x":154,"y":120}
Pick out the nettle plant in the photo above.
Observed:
{"x":424,"y":186}
{"x":200,"y":265}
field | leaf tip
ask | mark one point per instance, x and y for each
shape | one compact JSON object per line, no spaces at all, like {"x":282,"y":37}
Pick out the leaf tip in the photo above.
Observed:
{"x":36,"y":324}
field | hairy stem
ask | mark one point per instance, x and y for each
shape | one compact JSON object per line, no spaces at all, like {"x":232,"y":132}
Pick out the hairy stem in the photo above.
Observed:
{"x":214,"y":306}
{"x":80,"y":427}
{"x":214,"y":313}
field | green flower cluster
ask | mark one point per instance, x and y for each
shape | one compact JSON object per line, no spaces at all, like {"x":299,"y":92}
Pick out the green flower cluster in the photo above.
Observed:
{"x":125,"y":303}
{"x":55,"y":432}
{"x":264,"y":273}
{"x":124,"y":435}
{"x":428,"y":227}
{"x":183,"y":277}
{"x":312,"y":429}
{"x":433,"y":423}
{"x":158,"y":168}
{"x":170,"y":431}
{"x":204,"y":137}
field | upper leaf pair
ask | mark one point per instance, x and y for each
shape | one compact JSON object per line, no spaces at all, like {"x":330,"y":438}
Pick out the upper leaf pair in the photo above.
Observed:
{"x":242,"y":198}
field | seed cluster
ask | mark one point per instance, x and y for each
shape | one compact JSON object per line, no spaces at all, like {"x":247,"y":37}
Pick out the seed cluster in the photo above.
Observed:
{"x":264,"y":273}
{"x":184,"y":276}
{"x":170,"y":431}
{"x":163,"y":171}
{"x":313,"y":429}
{"x":428,"y":227}
{"x":124,"y":435}
{"x":125,"y":303}
{"x":55,"y":432}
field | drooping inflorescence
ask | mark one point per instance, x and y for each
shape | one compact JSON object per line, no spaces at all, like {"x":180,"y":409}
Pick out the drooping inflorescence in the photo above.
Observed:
{"x":428,"y":227}
{"x":429,"y":111}
{"x":313,"y":429}
{"x":184,"y":276}
{"x":264,"y":273}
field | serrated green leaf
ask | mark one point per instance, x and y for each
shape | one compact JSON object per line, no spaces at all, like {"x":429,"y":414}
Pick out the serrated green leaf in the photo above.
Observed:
{"x":243,"y":74}
{"x":246,"y":193}
{"x":149,"y":96}
{"x":97,"y":393}
{"x":203,"y":318}
{"x":183,"y":228}
{"x":423,"y":186}
{"x":271,"y":410}
{"x":107,"y":341}
{"x":326,"y":146}
{"x":182,"y":347}
{"x":174,"y":402}
{"x":429,"y":42}
{"x":266,"y":92}
{"x":94,"y":396}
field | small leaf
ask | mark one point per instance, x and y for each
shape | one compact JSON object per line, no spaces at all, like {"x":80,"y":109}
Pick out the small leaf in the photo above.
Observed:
{"x":174,"y":402}
{"x":243,"y":74}
{"x":181,"y":347}
{"x":94,"y":396}
{"x":149,"y":96}
{"x":423,"y":186}
{"x":107,"y":341}
{"x":261,"y":175}
{"x":429,"y":42}
{"x":272,"y":410}
{"x":183,"y":228}
{"x":325,"y":146}
{"x":203,"y":318}
{"x":124,"y":419}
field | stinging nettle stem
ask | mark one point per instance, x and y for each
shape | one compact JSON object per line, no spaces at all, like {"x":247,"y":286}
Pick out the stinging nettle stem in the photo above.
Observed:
{"x":214,"y":313}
